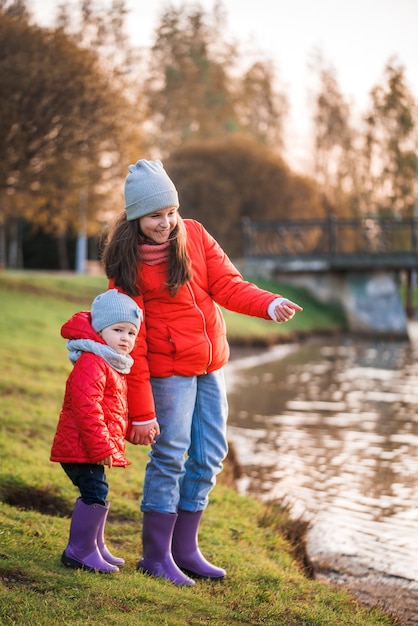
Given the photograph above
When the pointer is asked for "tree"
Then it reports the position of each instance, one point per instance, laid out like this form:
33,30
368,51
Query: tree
187,86
197,88
261,109
221,182
390,144
99,26
335,159
62,127
371,168
14,8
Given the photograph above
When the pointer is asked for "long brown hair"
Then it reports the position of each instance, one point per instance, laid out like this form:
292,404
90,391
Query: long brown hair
121,256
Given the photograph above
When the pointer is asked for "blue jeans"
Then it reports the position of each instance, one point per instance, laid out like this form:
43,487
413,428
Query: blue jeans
90,479
188,454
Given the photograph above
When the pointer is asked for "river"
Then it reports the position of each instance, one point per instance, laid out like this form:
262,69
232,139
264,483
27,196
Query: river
330,427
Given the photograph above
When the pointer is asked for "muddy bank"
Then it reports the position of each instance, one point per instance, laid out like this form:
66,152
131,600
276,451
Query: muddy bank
396,597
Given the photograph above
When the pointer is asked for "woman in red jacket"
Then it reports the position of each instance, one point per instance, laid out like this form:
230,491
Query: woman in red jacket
178,275
94,418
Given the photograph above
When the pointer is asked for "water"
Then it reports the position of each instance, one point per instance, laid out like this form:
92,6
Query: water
332,430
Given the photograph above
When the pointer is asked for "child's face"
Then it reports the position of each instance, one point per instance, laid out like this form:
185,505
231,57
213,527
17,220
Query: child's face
158,225
121,336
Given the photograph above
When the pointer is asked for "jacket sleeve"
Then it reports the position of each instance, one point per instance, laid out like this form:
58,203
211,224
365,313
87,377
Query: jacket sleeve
140,399
227,286
88,384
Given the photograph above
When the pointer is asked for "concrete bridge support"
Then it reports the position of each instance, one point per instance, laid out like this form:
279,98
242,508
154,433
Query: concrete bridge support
370,299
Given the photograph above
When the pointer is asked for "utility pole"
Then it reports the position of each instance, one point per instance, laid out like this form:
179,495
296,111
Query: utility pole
81,246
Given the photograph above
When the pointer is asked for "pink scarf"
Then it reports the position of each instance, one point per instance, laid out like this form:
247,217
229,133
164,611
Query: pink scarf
154,254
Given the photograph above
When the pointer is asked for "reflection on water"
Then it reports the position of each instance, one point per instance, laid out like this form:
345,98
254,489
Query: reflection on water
333,430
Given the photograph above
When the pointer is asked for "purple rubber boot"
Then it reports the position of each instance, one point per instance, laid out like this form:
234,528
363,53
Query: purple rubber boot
186,551
108,556
82,550
157,532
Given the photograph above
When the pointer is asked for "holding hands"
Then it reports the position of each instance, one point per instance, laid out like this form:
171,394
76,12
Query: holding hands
143,434
107,461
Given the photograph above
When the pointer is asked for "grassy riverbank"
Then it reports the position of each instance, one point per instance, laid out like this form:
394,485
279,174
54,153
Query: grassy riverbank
242,330
265,583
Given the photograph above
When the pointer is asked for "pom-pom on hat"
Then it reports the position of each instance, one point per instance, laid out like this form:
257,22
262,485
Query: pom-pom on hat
113,307
148,188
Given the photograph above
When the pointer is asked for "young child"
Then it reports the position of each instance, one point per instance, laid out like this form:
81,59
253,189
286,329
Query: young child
179,275
94,419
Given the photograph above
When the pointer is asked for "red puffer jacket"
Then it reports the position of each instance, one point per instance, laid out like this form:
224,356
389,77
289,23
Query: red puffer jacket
186,334
94,416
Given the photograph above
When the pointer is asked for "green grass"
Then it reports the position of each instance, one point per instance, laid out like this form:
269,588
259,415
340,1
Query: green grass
403,293
316,317
265,584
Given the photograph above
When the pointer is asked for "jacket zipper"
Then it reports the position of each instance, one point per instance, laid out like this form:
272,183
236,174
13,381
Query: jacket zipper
204,326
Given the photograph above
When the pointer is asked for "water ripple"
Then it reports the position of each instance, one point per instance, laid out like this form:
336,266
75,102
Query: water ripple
333,431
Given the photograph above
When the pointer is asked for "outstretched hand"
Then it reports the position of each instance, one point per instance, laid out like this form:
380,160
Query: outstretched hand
285,310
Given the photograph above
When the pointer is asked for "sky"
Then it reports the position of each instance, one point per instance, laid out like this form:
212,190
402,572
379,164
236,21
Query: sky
355,37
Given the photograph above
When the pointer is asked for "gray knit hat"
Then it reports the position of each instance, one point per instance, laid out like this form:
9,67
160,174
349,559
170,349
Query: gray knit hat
148,188
113,307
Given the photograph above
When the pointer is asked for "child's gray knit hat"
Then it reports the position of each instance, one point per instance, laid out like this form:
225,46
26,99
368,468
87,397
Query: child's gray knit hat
113,307
148,188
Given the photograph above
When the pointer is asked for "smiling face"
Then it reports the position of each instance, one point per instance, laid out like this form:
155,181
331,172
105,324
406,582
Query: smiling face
121,336
158,225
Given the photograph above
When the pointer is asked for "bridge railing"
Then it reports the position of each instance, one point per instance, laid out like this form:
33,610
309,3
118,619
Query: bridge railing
337,241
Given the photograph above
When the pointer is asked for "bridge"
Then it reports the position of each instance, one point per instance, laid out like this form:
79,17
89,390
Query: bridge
357,263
